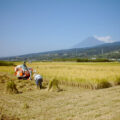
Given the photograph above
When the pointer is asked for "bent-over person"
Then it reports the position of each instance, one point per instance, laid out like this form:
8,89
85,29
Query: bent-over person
38,80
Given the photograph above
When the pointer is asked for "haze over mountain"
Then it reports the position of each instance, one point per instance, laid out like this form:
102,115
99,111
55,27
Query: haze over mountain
107,50
93,41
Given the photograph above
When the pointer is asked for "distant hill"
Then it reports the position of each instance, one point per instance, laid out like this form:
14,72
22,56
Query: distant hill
89,42
107,50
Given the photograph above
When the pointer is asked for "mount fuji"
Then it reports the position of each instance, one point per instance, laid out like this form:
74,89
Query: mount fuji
89,42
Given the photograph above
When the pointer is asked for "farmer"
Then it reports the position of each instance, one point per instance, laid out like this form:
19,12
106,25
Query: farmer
24,66
38,80
26,69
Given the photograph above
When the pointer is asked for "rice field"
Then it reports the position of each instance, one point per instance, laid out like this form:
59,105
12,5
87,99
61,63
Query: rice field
72,103
87,75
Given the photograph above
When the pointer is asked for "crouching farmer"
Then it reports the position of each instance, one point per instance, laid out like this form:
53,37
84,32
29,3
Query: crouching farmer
38,80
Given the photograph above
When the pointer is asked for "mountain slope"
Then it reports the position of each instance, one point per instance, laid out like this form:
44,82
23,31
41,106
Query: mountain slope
89,42
107,50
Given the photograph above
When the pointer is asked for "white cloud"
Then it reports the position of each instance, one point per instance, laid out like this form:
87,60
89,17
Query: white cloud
106,39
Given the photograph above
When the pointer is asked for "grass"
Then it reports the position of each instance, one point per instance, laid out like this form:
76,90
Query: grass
26,106
87,75
3,116
53,85
11,87
73,103
6,63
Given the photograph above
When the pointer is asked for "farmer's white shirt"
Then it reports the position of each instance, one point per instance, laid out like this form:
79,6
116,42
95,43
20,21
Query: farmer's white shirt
37,76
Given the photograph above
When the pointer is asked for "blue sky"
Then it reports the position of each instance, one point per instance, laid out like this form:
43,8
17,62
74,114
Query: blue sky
30,26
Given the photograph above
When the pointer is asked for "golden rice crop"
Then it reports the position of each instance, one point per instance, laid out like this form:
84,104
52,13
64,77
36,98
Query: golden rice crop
88,75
